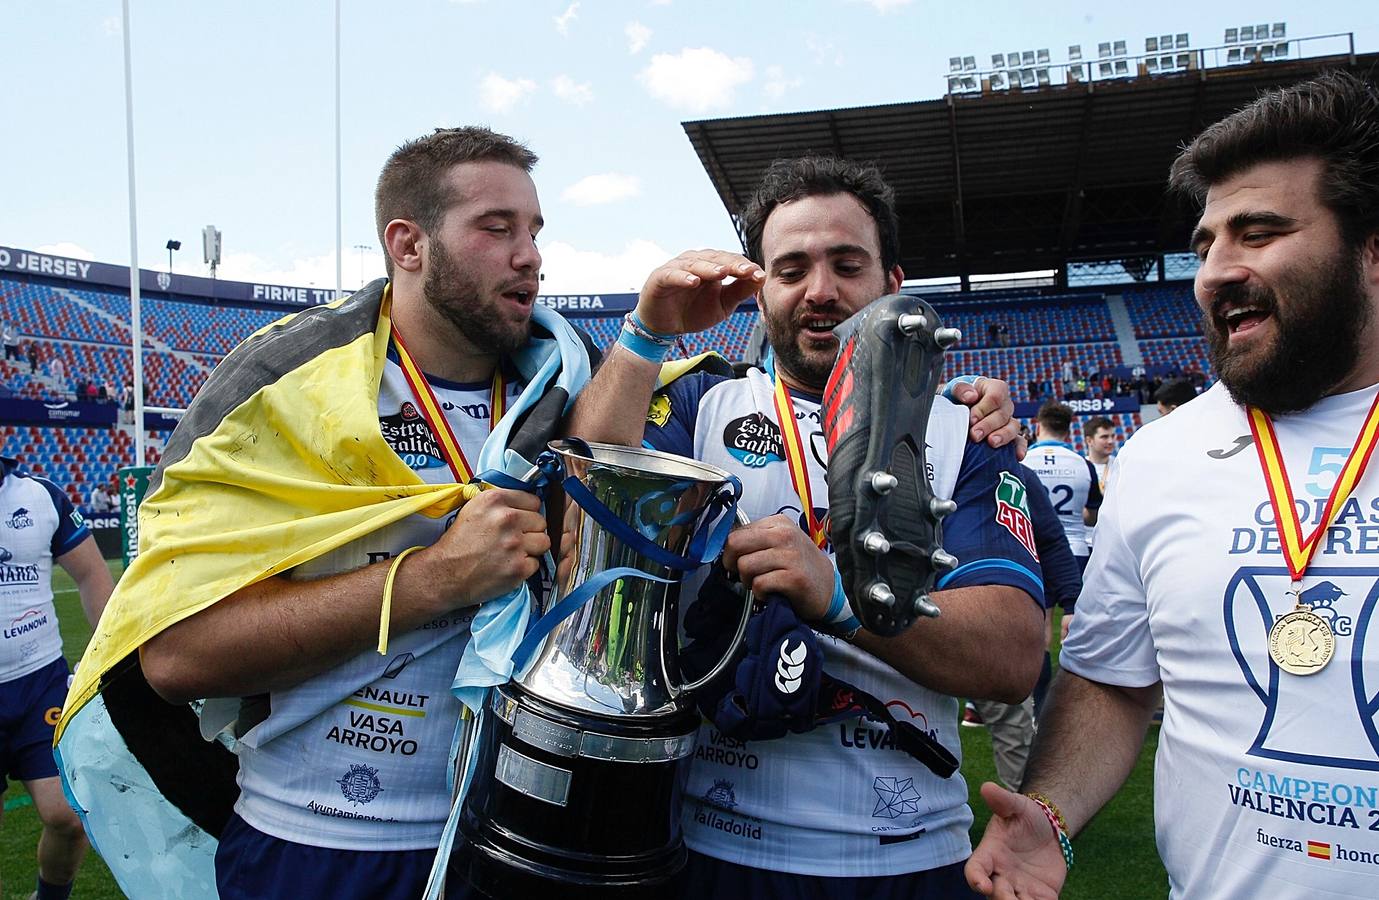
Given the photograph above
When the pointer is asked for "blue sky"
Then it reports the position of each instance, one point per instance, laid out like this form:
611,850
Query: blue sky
234,109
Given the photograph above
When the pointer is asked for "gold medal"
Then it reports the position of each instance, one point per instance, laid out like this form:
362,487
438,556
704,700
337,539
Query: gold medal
1301,642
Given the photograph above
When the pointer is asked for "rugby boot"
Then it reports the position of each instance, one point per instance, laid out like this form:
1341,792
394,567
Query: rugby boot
884,520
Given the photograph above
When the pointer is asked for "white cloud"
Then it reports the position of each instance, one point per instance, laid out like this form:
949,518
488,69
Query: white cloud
697,79
607,187
113,26
637,36
885,6
67,249
567,89
822,52
569,270
562,21
777,84
500,94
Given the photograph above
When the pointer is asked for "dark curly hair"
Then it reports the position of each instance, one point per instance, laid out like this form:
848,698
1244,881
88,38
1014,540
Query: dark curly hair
809,176
1333,117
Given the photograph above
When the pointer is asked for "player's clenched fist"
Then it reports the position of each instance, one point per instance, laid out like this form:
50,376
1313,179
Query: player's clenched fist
494,545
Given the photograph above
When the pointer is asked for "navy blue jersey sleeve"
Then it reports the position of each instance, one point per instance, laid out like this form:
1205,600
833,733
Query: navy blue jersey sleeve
1094,492
991,533
674,411
1062,575
71,527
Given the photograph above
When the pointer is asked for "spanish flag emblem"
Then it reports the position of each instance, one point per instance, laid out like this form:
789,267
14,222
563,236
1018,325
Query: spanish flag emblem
1318,850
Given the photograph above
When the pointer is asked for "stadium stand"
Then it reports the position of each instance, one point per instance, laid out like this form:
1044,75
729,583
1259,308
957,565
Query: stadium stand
89,329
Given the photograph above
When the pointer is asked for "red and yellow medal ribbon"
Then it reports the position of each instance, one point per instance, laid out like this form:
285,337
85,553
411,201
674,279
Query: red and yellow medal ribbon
1297,549
435,416
795,460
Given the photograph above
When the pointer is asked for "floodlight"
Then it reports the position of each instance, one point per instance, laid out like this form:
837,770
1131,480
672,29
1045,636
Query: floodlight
998,81
1151,65
1266,53
998,60
1233,56
1122,68
954,84
955,63
1105,70
1119,48
1012,60
1151,45
1262,32
1074,52
1042,75
1103,50
1247,33
1077,74
969,63
1232,35
1185,60
1028,79
1042,56
1251,54
1181,41
1027,58
1280,30
1165,42
1281,50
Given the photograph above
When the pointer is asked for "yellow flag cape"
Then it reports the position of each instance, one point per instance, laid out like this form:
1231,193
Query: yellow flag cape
297,468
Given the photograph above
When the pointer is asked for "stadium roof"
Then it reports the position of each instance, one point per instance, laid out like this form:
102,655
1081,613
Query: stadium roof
1019,180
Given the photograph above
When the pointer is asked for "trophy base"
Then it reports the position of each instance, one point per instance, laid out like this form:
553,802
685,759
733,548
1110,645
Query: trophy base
545,818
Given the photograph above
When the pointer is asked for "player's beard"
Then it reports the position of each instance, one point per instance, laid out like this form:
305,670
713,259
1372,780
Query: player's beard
810,368
455,292
1317,337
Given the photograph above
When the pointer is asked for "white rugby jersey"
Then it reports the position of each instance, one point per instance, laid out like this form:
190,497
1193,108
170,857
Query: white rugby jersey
1266,784
840,800
37,524
1072,484
356,757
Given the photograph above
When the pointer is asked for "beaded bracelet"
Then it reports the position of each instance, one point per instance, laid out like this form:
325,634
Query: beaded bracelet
631,320
1060,825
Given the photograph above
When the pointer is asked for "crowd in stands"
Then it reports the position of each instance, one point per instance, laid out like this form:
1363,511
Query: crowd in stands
74,345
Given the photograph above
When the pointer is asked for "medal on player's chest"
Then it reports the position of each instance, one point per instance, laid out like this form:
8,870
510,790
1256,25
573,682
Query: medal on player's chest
1302,642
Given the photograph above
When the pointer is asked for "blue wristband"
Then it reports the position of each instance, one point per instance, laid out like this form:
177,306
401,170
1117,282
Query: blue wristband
639,325
839,620
644,347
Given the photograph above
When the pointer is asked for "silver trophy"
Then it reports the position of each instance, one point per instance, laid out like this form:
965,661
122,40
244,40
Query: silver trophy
582,761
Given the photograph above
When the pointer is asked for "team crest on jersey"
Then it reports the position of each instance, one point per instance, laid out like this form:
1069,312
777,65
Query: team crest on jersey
754,440
895,797
721,795
20,518
360,784
658,413
1012,511
411,438
1328,718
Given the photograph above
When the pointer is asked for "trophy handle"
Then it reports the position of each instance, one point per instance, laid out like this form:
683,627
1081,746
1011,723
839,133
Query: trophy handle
674,689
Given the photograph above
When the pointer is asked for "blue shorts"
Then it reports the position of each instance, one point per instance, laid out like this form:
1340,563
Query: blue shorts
29,709
251,865
709,877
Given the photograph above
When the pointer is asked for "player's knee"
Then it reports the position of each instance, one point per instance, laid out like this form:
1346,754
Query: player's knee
62,822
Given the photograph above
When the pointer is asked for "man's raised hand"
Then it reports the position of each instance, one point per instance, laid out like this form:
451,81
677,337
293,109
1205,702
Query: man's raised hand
697,290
